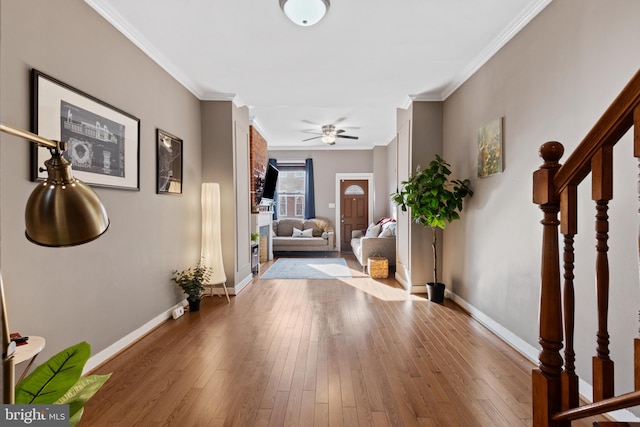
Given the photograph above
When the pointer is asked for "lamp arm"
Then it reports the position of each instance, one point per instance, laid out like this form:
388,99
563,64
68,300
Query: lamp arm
41,141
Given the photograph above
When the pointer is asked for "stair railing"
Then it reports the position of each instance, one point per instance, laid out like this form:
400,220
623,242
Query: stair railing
554,382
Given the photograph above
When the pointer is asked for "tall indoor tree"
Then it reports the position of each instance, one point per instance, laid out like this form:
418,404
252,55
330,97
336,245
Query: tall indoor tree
433,200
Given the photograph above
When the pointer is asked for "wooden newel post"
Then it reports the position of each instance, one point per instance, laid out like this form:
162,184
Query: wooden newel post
546,379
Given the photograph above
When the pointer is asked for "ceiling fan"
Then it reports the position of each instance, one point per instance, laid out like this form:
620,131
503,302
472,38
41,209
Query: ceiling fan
329,135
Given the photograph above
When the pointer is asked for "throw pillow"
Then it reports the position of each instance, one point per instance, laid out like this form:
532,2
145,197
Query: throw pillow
386,233
302,233
391,226
373,230
311,224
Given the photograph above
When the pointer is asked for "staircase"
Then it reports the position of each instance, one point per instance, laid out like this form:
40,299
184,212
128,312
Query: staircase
555,189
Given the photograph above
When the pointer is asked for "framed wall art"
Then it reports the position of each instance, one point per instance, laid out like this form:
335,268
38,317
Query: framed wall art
169,163
490,148
103,141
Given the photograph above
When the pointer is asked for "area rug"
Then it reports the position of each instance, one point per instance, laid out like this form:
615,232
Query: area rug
308,268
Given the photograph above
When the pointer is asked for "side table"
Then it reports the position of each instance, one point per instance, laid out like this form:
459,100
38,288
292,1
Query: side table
28,351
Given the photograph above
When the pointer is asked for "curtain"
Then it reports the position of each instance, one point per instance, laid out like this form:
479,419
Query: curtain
211,236
274,163
309,196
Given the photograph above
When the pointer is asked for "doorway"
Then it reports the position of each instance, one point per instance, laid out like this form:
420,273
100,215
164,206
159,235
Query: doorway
354,206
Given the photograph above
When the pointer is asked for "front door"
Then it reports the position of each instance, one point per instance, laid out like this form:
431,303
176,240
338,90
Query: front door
354,208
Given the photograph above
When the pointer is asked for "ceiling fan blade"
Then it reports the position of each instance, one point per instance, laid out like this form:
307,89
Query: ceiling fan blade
347,136
312,131
340,131
309,139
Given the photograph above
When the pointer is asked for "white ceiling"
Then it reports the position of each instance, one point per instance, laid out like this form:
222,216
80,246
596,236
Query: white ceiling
354,68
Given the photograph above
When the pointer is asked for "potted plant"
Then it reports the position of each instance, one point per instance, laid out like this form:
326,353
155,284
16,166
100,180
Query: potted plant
192,282
59,381
434,201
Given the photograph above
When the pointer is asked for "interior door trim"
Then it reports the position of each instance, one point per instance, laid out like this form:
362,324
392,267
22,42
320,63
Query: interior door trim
342,176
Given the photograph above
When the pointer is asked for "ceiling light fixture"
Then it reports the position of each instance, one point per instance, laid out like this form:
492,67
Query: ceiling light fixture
304,12
329,134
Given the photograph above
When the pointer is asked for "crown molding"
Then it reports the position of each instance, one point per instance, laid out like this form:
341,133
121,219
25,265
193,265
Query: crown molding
221,96
122,25
258,127
428,97
498,43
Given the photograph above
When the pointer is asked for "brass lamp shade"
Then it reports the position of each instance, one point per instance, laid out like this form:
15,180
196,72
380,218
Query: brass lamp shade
63,211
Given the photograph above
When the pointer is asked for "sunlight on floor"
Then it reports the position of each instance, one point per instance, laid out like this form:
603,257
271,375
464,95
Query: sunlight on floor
336,269
382,291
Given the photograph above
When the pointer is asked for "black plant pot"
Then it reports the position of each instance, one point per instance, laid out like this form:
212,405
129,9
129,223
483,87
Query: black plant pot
194,305
436,292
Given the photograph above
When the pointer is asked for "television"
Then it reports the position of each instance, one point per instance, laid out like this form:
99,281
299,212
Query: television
270,184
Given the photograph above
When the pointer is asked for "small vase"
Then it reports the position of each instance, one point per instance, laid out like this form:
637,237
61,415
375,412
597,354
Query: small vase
194,305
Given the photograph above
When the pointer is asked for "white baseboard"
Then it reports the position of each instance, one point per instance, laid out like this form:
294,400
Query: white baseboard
530,352
408,286
240,286
124,342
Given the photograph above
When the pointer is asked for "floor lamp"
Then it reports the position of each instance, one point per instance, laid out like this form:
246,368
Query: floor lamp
61,211
211,236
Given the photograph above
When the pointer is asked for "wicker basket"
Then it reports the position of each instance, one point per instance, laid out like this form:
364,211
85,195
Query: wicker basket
378,267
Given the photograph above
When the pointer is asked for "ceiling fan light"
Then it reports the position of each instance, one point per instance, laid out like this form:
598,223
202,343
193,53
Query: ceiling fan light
304,12
328,139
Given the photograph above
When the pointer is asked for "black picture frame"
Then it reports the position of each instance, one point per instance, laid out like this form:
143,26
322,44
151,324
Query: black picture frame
168,163
103,141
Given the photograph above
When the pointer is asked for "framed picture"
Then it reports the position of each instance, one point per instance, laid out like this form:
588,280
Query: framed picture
490,148
169,157
103,141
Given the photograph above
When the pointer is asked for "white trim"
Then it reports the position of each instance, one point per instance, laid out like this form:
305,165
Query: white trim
498,43
370,196
129,339
241,285
111,15
530,352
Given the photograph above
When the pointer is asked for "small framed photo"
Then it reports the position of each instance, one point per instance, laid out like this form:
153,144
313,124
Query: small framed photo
169,158
103,141
490,148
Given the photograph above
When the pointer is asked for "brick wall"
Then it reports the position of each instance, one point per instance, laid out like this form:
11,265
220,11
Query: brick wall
258,158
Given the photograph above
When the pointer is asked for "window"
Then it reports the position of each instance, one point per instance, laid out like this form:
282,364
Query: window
291,192
354,189
299,213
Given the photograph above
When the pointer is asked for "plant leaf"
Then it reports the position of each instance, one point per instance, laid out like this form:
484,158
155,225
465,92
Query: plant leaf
75,419
49,381
81,392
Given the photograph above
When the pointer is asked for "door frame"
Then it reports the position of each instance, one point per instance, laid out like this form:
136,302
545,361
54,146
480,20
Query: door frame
370,191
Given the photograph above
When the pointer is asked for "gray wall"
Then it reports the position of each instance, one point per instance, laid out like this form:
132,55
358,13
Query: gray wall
426,142
225,160
103,290
326,164
551,82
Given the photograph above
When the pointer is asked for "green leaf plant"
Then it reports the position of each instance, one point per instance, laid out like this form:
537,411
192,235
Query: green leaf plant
192,280
59,381
432,199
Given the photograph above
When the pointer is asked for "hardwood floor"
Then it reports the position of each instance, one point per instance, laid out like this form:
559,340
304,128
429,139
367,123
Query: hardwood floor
352,352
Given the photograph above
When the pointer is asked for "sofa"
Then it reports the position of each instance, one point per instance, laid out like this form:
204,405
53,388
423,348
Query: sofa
308,235
378,240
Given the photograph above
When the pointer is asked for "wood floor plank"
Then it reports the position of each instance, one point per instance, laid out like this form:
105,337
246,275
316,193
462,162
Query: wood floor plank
347,352
307,408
